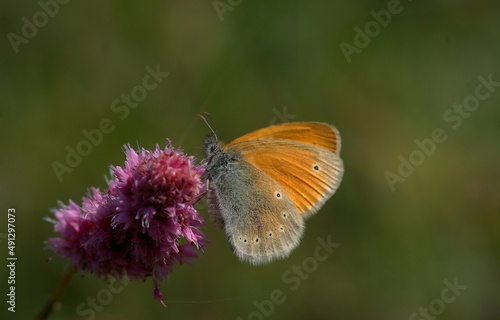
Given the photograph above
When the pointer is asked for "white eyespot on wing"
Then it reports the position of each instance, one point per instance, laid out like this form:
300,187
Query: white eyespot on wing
273,241
264,208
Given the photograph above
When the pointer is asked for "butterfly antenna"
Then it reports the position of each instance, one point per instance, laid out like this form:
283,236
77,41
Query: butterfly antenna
203,116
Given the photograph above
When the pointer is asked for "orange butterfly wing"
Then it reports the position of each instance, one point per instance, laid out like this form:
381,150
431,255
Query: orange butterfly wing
302,157
318,134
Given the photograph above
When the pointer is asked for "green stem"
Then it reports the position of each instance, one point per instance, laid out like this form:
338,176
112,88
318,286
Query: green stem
49,305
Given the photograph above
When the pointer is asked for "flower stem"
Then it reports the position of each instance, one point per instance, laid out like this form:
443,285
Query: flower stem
50,304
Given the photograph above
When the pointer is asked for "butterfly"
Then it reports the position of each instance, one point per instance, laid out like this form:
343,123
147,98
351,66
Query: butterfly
263,185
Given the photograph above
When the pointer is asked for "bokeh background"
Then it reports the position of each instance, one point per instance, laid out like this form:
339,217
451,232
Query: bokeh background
259,63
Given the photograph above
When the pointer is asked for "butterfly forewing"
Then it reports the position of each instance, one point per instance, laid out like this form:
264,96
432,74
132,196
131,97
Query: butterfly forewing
263,184
322,135
309,175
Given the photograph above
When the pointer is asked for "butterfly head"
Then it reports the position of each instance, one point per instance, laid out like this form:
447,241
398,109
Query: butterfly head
216,159
211,145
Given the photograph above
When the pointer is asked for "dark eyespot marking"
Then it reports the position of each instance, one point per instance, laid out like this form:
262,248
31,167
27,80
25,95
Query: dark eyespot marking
270,234
256,239
316,167
282,229
278,195
284,215
245,240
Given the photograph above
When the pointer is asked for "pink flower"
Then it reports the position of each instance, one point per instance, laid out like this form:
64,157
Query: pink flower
142,225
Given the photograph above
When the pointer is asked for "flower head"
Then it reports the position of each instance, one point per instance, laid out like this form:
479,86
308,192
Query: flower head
142,225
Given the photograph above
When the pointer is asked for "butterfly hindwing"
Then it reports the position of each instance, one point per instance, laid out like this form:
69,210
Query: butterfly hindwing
262,185
259,219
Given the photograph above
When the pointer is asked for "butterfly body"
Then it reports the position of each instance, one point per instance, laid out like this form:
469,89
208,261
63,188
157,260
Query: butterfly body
263,185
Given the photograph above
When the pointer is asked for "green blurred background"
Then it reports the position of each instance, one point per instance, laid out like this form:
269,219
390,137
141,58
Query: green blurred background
263,63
